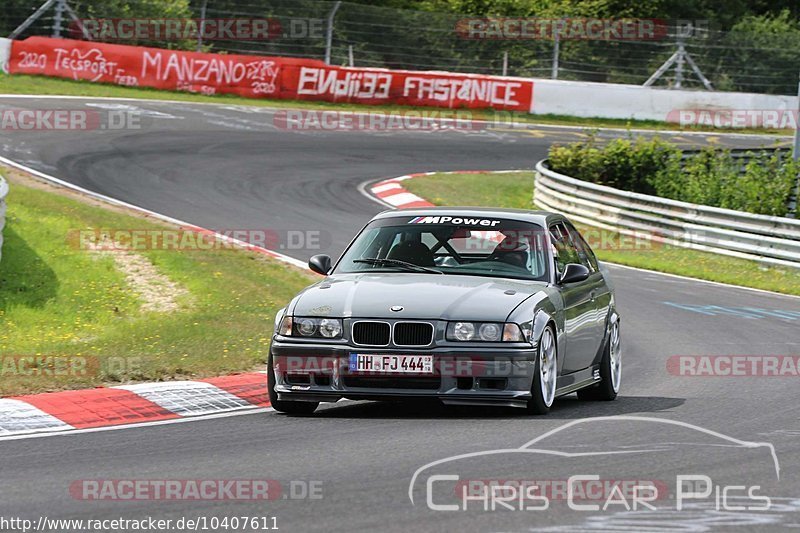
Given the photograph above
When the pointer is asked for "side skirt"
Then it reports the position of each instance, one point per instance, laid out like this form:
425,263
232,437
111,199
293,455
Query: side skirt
577,380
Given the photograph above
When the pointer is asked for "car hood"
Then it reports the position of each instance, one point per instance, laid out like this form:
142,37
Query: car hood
422,296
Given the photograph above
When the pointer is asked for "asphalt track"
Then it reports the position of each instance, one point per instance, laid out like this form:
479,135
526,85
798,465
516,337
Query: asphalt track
231,167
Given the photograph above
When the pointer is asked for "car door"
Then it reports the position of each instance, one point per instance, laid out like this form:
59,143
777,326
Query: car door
599,290
580,308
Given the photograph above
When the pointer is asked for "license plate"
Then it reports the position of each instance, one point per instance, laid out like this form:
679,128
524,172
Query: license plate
391,364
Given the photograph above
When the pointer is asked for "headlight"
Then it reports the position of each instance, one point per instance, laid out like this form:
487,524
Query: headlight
489,332
329,328
484,332
463,331
306,326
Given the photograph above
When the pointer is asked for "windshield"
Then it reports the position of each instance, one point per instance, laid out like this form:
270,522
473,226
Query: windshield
474,246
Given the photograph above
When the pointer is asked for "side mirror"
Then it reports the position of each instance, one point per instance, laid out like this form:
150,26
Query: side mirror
574,273
321,264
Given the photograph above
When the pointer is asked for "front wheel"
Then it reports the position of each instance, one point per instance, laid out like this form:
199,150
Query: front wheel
543,391
285,406
610,370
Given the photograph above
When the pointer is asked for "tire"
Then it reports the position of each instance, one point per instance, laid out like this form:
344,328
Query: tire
545,374
610,370
286,406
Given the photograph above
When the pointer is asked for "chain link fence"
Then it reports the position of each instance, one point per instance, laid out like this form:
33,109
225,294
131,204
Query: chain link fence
745,60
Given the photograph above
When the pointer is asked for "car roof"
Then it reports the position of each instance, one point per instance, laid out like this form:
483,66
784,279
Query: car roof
542,218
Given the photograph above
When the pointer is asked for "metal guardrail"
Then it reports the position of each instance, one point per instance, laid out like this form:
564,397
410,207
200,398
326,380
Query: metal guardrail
742,155
768,239
3,193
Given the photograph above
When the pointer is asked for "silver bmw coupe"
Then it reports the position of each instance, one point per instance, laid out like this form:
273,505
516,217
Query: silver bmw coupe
466,306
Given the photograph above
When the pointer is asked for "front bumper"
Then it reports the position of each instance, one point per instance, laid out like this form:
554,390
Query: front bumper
462,376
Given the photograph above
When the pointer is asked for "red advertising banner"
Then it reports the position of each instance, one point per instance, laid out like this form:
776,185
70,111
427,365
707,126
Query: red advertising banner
264,77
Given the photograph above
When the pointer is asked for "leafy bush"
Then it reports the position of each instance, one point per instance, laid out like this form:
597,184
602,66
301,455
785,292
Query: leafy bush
710,177
765,186
622,163
582,160
701,180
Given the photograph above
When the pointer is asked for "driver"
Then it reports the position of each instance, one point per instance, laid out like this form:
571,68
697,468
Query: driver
512,251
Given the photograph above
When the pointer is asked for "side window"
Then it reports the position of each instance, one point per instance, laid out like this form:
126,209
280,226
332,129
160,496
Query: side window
588,258
564,251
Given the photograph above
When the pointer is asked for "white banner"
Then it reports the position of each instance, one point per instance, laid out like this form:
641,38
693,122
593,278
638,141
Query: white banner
5,53
605,100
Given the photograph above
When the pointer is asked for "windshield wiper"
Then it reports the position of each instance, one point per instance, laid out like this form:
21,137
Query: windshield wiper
396,262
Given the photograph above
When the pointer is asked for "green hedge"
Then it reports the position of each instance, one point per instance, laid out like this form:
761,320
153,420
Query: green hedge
712,177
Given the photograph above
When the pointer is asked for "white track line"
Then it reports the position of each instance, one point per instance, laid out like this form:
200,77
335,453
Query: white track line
517,125
244,411
719,283
159,216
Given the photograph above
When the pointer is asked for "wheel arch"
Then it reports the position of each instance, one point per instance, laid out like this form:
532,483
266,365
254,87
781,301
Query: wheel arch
541,320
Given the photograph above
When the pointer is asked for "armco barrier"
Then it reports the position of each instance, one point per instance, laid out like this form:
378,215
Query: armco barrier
264,77
772,240
3,193
742,156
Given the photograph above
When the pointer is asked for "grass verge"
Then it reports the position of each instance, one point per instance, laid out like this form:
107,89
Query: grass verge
84,321
514,190
27,84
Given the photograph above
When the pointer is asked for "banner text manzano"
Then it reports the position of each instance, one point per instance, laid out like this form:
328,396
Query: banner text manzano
264,77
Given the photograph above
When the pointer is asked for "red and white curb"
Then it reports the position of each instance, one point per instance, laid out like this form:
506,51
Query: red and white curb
391,192
131,404
143,403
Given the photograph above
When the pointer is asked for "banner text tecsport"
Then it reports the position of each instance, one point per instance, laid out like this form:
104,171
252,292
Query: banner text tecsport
264,77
